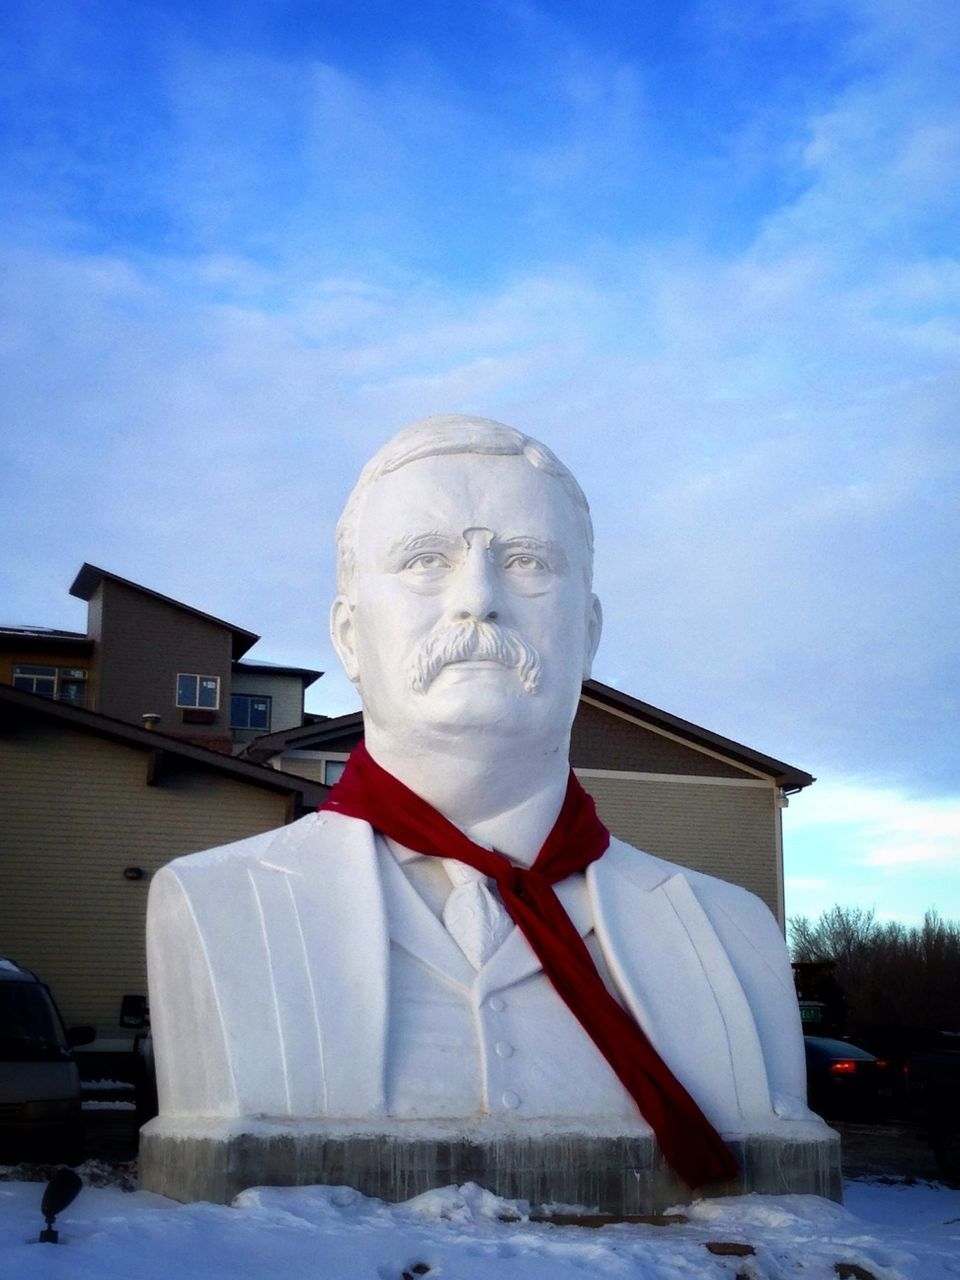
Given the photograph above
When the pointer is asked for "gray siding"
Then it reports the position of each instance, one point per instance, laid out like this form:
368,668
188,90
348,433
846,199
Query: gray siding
144,644
726,831
285,693
603,740
76,811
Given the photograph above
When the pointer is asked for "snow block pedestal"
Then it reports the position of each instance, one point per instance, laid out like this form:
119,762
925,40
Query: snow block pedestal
215,1160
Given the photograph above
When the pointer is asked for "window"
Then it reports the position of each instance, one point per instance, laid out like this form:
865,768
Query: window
68,684
42,680
333,771
249,711
198,691
73,686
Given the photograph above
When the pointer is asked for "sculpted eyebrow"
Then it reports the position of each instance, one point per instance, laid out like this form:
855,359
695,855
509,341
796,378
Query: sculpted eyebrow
551,551
415,541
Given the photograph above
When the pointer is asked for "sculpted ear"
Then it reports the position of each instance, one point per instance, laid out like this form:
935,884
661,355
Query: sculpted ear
343,635
594,629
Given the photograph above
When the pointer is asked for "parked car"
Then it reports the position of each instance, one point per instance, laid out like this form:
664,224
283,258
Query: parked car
845,1081
40,1115
933,1093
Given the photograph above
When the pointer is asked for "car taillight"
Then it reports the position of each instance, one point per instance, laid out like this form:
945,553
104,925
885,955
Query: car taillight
882,1064
843,1068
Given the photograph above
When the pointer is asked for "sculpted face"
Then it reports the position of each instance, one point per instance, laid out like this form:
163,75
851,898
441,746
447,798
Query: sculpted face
470,610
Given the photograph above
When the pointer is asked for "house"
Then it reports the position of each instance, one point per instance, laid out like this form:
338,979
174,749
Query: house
117,753
660,783
92,806
154,733
148,659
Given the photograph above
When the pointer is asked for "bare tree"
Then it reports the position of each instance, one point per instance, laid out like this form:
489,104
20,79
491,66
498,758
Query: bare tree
893,975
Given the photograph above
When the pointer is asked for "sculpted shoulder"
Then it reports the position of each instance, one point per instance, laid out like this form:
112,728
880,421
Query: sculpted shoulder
313,836
647,871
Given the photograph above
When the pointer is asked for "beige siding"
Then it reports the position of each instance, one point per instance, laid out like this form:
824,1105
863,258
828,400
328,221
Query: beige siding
725,830
303,764
76,810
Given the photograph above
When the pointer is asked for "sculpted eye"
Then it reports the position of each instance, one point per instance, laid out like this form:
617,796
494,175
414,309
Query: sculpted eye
524,562
427,562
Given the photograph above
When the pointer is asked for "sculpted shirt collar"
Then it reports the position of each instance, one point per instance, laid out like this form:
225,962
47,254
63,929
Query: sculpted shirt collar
572,891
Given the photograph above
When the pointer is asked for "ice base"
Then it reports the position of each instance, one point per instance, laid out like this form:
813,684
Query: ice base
191,1159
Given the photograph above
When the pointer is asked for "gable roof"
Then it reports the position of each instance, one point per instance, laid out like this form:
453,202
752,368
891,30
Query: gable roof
304,737
15,703
90,577
787,776
307,674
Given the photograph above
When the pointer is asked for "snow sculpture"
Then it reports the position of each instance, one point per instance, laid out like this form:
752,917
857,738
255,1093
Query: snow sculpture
325,987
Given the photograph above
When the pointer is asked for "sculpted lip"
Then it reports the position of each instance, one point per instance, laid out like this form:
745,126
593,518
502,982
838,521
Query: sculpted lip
476,662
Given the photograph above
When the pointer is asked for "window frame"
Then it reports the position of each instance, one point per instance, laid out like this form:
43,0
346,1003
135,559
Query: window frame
74,678
34,671
196,705
249,698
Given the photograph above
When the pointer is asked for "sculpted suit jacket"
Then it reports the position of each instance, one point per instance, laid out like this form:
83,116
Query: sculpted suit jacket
269,980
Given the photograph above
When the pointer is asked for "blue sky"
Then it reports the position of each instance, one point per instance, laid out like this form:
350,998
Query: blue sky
708,251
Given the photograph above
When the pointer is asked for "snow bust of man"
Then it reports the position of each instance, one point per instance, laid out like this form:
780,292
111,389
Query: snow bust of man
454,939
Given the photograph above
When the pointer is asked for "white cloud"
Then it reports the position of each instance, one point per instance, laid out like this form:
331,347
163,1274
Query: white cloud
859,844
881,828
767,432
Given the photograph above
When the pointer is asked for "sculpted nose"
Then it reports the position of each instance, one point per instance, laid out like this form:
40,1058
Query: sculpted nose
475,592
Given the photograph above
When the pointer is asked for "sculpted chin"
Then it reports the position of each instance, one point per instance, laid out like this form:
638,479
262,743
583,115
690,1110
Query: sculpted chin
330,971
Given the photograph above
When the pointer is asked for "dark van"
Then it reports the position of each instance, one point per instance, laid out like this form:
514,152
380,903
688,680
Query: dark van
40,1116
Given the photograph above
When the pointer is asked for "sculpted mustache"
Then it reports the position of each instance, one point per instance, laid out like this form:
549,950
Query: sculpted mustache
478,642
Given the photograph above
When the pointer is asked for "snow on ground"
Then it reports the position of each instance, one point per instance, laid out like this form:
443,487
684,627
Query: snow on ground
893,1231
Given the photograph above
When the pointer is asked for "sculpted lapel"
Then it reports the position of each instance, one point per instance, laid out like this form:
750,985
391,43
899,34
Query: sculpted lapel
693,1009
337,941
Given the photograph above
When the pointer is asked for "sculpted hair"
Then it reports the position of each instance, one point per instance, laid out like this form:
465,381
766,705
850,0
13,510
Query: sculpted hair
450,434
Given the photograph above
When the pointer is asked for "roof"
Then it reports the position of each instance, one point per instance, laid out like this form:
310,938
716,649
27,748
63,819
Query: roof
307,674
44,638
49,633
89,578
270,744
785,775
15,702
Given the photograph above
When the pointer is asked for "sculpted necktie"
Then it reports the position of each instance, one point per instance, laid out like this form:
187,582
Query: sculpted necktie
689,1142
474,918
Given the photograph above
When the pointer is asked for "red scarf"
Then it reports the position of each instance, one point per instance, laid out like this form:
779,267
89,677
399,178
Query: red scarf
689,1142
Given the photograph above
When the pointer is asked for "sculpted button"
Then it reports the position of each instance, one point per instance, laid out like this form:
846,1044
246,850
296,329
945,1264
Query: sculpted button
497,1004
502,1049
511,1100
